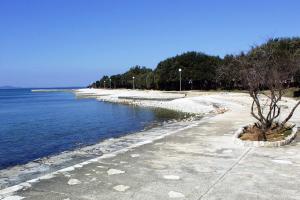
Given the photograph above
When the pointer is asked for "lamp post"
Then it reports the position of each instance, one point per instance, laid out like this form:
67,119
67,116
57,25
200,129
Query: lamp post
133,82
110,83
179,79
104,85
191,83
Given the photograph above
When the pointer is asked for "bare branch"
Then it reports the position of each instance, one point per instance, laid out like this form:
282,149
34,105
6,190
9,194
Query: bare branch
291,114
252,112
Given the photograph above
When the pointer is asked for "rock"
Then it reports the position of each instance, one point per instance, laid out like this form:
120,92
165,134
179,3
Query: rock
73,181
227,151
285,162
171,177
135,155
173,194
121,188
94,179
115,171
14,198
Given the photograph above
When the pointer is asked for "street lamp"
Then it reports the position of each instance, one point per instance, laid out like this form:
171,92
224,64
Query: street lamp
191,83
179,79
104,84
133,82
110,83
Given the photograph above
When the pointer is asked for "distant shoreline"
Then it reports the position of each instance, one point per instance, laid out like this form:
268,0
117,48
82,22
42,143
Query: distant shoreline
39,88
9,87
52,90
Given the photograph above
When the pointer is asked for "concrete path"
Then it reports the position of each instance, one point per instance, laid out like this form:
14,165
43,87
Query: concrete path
201,162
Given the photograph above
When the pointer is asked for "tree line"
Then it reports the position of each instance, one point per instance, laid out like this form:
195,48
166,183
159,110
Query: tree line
201,71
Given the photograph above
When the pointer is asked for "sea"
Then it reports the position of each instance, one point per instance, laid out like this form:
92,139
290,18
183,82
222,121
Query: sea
34,125
45,130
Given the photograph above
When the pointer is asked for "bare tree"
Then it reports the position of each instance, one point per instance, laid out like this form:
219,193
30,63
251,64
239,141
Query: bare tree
267,71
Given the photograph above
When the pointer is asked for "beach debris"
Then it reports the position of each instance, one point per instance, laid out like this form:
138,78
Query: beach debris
171,177
173,194
221,110
74,181
121,188
285,162
115,171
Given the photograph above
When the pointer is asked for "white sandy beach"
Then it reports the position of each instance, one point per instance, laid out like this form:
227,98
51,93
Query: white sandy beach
187,101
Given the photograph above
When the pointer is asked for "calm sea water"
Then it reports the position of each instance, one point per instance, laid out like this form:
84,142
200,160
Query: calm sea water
39,124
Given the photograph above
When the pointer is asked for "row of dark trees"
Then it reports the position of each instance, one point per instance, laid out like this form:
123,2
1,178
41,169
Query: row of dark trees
143,79
201,71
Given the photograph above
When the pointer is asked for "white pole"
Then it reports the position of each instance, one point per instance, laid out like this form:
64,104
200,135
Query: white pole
133,82
179,79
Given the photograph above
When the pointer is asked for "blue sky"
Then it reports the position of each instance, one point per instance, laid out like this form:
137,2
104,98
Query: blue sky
50,43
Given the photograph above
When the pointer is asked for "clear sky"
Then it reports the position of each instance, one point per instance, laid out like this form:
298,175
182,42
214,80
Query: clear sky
50,43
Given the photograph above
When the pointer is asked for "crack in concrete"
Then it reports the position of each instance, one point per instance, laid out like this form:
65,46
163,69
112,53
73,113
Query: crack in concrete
220,178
